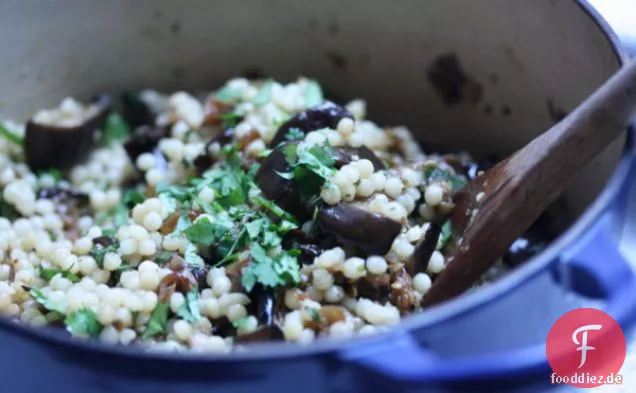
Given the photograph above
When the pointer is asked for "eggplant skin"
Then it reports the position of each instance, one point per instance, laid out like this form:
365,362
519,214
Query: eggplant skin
371,232
325,115
47,147
280,190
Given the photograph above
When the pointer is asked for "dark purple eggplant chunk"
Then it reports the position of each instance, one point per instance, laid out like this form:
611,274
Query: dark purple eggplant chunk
278,189
325,115
49,146
343,156
104,241
418,263
204,161
144,139
136,112
263,305
66,194
263,334
374,287
371,232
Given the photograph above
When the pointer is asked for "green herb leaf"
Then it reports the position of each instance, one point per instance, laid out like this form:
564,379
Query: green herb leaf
132,198
157,322
98,252
240,323
115,129
294,134
47,274
169,201
201,232
179,193
269,271
230,119
120,215
264,93
83,322
313,94
255,227
438,174
164,257
189,311
44,301
228,95
447,231
10,136
192,258
54,173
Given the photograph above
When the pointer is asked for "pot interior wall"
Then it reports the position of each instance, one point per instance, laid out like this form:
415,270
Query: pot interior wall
529,61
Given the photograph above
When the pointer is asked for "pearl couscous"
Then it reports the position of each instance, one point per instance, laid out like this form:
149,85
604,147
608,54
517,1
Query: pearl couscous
256,212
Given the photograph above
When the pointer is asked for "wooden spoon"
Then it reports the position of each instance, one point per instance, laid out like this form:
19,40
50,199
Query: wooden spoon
497,207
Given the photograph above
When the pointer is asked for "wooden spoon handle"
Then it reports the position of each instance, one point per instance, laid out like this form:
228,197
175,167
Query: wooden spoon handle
520,188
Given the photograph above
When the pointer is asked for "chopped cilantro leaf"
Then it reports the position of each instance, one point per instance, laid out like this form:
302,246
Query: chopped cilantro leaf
201,232
47,274
294,134
120,216
315,314
313,94
264,93
192,258
177,192
169,201
115,129
447,231
189,311
83,323
10,136
240,323
264,153
98,252
164,257
157,323
438,174
230,119
255,227
55,173
228,95
132,198
269,271
44,301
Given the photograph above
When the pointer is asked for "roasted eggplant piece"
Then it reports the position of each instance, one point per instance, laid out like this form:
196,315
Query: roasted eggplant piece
374,287
343,156
265,333
424,249
137,112
370,232
53,140
278,189
263,304
325,115
144,139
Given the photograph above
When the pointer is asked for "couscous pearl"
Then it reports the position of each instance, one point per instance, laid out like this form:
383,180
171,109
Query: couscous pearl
249,325
403,248
365,188
127,247
354,268
376,264
124,316
379,180
109,335
210,308
236,312
206,195
422,282
291,298
307,336
393,187
334,294
87,264
345,126
147,247
426,212
154,176
221,285
414,234
330,194
145,161
367,330
322,279
341,329
365,168
112,261
352,173
130,279
433,195
348,192
183,330
330,258
176,301
314,293
340,179
436,263
292,326
152,221
82,246
127,336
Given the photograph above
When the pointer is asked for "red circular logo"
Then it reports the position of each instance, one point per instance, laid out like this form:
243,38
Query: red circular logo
586,348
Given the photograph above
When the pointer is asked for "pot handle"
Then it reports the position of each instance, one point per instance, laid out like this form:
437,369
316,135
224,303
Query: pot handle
600,269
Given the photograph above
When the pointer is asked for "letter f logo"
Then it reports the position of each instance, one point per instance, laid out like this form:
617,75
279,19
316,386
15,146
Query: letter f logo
584,347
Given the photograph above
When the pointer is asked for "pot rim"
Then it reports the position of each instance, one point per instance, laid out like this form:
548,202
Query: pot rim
436,314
